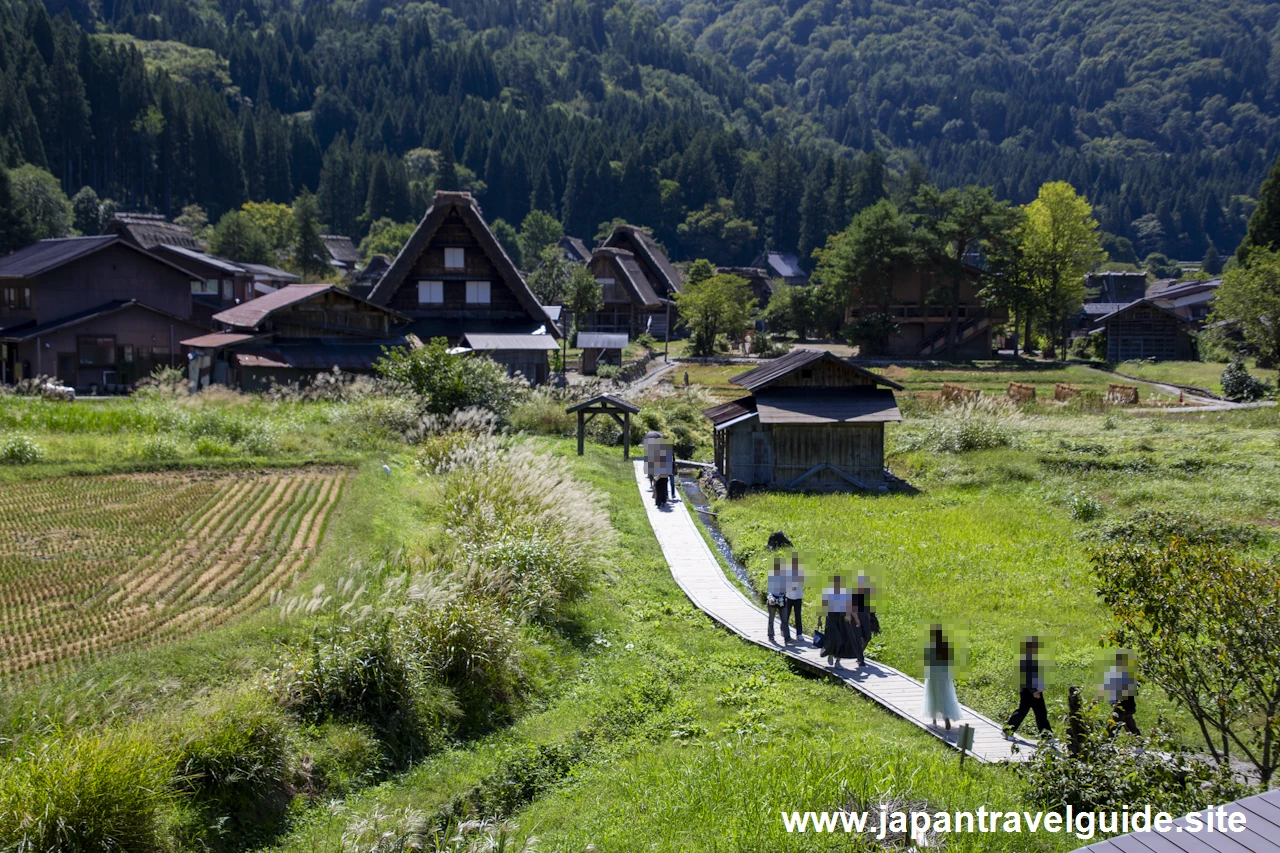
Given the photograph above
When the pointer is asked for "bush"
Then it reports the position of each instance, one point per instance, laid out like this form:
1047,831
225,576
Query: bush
20,450
359,675
233,758
646,340
1159,527
450,382
344,757
1238,385
85,792
961,436
529,574
467,646
1108,774
158,447
1089,347
543,413
1084,506
608,371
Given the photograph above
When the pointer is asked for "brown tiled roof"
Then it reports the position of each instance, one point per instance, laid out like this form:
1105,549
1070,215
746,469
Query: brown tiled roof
832,406
151,229
466,207
794,360
217,339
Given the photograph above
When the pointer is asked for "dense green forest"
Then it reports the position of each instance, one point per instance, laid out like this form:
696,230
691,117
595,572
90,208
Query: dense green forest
724,126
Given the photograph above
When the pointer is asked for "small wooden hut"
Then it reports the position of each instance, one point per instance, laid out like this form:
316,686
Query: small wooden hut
600,348
813,421
1145,329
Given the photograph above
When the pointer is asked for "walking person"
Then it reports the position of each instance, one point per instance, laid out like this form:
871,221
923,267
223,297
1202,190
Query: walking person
939,690
661,464
1030,691
841,639
775,596
1122,690
868,624
794,601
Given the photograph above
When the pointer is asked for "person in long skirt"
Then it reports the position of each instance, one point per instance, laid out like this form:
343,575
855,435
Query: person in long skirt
842,637
867,624
939,690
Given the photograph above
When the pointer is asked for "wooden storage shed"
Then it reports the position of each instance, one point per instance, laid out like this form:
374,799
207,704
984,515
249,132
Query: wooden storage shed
1144,329
600,348
813,422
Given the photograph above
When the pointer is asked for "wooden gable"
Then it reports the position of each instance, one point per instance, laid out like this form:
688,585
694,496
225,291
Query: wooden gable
824,373
331,314
453,222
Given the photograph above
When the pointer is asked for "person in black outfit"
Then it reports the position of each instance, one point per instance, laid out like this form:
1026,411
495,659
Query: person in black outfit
1031,690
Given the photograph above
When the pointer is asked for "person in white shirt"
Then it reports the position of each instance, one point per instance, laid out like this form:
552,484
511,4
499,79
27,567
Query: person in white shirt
1122,690
794,601
841,639
775,595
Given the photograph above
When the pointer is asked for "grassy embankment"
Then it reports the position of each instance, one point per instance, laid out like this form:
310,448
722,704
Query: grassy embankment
675,735
996,540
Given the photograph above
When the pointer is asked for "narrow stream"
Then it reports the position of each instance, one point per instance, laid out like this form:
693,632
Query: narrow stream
698,500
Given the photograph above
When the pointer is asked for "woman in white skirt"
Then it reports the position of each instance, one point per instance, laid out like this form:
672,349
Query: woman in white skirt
939,690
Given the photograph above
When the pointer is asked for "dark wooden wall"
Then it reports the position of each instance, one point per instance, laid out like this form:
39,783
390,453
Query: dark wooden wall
116,272
776,454
1145,331
332,314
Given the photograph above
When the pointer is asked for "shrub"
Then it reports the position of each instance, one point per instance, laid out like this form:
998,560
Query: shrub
646,340
262,439
233,757
451,382
543,413
1089,347
213,447
165,383
358,674
468,646
85,792
1159,527
1108,774
1084,506
20,450
1238,385
608,371
344,757
529,573
158,447
965,434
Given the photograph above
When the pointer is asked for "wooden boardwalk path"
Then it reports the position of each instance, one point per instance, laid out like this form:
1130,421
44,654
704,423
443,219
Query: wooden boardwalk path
698,572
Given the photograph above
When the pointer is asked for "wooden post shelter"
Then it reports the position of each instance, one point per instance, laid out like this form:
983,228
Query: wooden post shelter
605,404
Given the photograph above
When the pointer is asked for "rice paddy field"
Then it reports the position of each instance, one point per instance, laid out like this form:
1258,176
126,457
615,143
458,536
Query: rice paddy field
91,566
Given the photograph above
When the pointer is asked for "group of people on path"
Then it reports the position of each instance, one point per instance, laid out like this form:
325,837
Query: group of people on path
849,622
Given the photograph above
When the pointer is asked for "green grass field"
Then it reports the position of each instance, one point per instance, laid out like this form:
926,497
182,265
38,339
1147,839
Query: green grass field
989,543
696,740
1200,374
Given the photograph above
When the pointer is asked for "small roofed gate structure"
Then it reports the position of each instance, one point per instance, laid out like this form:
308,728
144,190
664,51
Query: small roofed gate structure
605,404
600,348
812,422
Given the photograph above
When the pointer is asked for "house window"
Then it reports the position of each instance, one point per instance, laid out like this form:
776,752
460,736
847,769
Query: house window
15,297
228,293
97,352
207,286
454,259
430,292
477,293
609,290
128,353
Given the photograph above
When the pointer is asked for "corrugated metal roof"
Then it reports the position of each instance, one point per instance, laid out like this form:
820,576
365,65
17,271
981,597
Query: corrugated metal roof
316,356
269,273
248,315
39,258
726,412
602,340
1261,832
1101,309
204,258
794,360
873,405
786,266
218,339
488,343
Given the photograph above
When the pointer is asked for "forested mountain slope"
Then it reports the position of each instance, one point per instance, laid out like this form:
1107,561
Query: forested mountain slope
706,121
